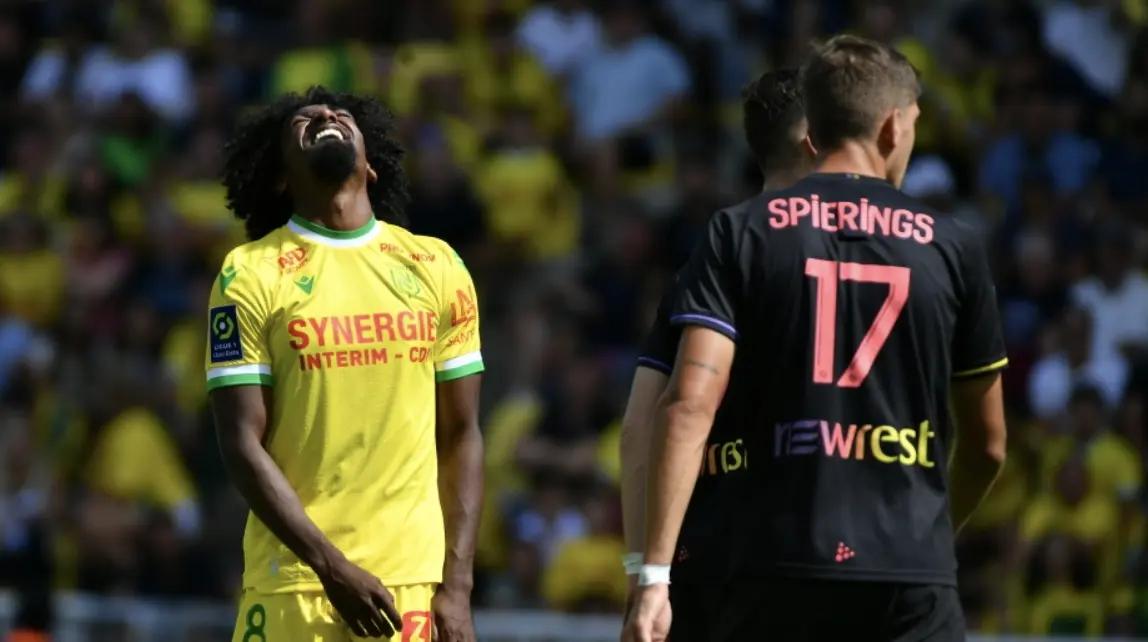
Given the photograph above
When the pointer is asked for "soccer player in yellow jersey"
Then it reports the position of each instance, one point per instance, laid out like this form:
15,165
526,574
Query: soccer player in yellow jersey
343,366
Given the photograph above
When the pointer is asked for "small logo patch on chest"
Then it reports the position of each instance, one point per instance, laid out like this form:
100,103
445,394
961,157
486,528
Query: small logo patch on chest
305,283
292,260
405,280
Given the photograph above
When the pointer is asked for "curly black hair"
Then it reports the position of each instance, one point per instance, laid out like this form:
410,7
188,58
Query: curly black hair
253,165
772,106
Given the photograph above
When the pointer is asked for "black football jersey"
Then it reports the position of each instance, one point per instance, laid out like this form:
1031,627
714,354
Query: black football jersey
852,307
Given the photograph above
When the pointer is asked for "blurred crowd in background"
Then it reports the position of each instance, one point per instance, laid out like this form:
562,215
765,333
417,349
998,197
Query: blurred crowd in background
572,152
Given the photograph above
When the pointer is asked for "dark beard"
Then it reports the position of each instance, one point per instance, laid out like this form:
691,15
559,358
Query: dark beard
332,162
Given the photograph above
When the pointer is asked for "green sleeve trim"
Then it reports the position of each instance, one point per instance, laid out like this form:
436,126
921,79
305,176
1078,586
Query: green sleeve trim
459,372
239,380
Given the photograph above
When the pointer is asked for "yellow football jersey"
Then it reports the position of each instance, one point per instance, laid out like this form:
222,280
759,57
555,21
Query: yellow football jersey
351,330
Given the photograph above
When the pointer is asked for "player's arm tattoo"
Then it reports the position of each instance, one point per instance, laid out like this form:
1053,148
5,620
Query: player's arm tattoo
698,364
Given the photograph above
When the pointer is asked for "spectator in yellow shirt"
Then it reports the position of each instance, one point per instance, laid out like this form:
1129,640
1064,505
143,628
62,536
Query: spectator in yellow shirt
1071,508
139,488
503,73
30,182
198,199
532,209
427,88
321,57
134,459
1112,461
1063,603
31,273
584,575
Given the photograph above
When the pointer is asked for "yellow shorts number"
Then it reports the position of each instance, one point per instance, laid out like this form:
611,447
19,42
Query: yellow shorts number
256,620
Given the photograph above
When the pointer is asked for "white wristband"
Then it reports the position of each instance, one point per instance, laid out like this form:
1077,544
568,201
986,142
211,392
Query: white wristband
651,574
632,562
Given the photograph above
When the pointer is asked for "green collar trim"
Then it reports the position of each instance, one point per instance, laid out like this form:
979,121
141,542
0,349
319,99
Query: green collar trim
341,235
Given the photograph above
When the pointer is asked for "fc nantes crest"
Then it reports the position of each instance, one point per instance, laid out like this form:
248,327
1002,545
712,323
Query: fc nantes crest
405,281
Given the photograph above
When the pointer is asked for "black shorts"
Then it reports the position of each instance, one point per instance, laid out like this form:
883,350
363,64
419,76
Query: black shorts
792,610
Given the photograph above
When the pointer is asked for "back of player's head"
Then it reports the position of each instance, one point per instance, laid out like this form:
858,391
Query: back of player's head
773,114
851,84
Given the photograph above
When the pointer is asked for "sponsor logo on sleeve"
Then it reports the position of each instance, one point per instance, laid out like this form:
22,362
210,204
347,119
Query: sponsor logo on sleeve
224,332
463,309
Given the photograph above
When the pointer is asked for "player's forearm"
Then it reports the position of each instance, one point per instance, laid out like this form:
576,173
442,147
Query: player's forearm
276,504
679,439
460,491
974,469
634,472
978,407
637,426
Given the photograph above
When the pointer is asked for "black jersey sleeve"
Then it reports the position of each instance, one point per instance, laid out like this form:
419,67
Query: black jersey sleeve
708,292
978,342
661,344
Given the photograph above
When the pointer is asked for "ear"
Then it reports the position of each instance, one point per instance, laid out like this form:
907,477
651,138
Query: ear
889,135
372,175
808,148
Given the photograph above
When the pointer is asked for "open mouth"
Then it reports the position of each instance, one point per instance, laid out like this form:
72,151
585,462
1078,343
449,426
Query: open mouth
326,132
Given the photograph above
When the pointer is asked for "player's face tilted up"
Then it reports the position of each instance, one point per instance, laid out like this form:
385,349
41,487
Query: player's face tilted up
323,146
275,167
830,321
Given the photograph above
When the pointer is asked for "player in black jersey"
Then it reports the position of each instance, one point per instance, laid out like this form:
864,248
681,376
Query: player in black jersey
844,317
775,128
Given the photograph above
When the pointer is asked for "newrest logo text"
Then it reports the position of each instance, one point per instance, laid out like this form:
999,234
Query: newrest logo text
885,444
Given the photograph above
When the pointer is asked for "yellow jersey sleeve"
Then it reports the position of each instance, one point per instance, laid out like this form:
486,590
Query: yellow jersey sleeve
457,350
237,351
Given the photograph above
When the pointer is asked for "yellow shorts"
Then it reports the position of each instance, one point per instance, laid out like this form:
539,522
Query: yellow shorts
309,617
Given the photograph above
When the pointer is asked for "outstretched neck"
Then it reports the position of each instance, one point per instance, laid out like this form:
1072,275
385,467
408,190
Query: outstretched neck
346,209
